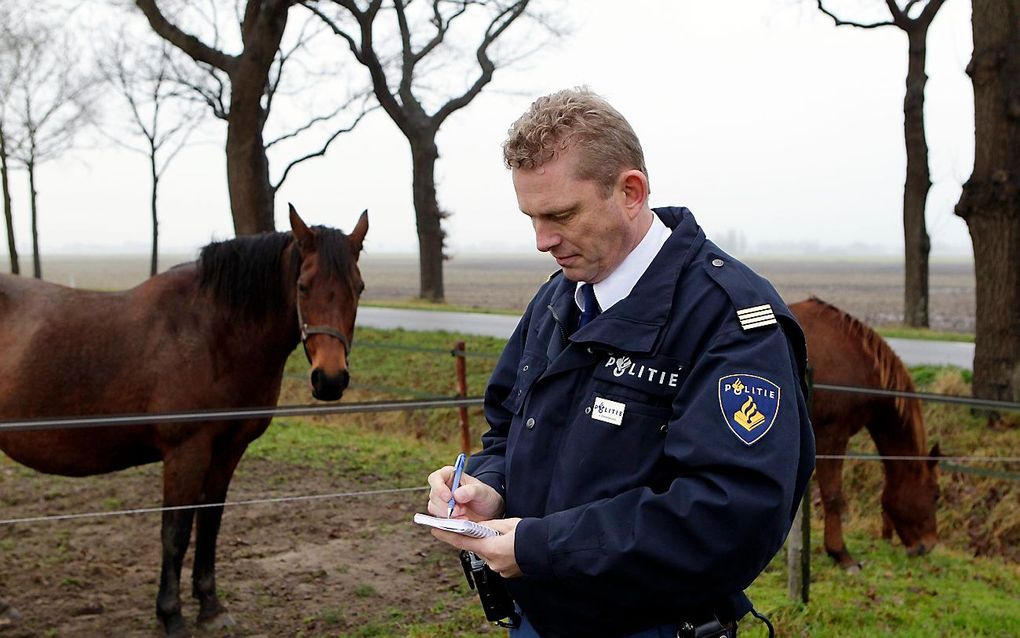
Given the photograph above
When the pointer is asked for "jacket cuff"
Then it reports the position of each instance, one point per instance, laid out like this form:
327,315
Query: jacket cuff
531,547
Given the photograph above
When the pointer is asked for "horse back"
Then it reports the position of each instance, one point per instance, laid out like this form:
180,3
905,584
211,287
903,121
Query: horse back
67,352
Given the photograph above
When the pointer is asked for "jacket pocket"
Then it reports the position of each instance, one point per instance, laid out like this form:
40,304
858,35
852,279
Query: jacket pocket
614,444
529,370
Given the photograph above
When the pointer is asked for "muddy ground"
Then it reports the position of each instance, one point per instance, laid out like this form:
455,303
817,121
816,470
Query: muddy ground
311,568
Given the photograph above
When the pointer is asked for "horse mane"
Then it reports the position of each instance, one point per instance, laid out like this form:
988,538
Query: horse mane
244,272
892,373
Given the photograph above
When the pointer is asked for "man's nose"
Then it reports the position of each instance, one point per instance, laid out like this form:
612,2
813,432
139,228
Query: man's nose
545,239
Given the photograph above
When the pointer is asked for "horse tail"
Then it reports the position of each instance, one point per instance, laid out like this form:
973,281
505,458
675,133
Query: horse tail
892,373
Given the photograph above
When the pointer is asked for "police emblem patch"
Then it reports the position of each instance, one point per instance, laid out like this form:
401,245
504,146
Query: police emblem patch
749,405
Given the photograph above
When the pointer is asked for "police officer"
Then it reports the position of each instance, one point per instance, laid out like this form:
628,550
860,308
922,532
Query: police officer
649,440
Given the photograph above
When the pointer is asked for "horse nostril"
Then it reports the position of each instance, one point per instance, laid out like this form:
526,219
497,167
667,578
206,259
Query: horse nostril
344,380
318,376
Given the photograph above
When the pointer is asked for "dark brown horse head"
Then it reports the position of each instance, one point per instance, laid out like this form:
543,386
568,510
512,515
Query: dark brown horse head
909,503
329,285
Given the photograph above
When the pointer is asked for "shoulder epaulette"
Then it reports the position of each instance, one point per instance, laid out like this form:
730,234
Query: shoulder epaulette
752,307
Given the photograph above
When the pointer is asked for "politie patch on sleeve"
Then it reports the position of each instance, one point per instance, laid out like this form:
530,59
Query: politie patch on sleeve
749,405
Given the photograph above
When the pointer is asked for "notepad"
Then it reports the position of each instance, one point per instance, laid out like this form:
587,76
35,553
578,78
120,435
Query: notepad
458,525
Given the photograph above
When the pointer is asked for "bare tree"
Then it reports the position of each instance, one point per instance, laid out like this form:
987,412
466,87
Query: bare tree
240,89
913,17
990,202
145,83
10,68
401,95
49,104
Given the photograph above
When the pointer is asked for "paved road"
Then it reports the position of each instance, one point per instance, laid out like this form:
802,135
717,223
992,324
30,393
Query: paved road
913,351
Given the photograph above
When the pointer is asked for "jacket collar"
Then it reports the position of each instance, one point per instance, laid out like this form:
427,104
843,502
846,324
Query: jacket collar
634,323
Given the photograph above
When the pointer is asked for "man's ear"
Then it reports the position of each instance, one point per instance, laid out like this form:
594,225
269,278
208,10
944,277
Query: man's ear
304,236
357,236
633,186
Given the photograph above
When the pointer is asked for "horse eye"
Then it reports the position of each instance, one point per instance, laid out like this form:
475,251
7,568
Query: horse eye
303,289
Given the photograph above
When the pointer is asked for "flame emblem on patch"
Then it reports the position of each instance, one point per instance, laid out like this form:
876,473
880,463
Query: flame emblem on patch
749,404
748,415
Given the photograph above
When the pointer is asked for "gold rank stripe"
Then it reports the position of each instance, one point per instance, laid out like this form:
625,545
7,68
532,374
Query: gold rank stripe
756,317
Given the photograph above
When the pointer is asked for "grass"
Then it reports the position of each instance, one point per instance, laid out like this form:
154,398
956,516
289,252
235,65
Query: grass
947,593
966,587
905,332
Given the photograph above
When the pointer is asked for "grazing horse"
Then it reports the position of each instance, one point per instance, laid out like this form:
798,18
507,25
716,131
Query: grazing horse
844,351
209,335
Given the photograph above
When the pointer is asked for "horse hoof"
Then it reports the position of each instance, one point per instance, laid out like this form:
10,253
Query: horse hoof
176,628
853,569
221,620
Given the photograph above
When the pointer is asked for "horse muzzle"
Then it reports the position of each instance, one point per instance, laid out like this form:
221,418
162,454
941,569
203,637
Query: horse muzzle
920,549
327,387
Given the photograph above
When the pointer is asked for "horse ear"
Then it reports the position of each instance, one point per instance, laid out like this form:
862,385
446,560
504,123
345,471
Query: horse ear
305,238
357,236
935,453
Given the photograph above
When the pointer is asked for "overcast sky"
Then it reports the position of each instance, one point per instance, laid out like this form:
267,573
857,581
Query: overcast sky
780,131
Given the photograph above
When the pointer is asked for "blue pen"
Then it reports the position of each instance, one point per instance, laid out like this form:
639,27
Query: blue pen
458,469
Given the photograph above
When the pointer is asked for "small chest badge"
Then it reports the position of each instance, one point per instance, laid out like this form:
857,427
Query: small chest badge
608,411
749,405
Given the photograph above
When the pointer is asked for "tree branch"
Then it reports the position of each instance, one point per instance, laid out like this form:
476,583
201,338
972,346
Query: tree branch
366,55
325,147
187,43
336,29
839,22
499,24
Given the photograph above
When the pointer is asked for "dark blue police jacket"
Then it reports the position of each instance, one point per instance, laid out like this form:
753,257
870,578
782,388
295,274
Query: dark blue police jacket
657,455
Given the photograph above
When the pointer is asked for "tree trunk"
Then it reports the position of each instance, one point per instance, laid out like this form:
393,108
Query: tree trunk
990,203
36,263
915,191
251,193
154,262
424,154
8,213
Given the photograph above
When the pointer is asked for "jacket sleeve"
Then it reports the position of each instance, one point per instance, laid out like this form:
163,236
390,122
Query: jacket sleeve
711,528
488,466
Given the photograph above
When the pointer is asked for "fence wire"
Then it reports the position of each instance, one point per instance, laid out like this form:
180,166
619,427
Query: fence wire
174,508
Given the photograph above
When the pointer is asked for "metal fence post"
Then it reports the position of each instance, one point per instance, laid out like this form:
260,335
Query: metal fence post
798,543
465,431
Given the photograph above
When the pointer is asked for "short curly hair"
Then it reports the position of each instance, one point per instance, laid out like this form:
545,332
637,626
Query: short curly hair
575,118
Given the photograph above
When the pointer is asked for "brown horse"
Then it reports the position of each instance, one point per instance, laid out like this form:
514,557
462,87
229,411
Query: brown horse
202,336
844,351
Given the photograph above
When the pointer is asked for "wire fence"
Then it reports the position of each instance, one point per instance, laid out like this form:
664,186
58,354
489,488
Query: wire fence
430,401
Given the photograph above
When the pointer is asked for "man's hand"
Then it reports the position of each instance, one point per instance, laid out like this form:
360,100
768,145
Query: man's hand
496,551
476,501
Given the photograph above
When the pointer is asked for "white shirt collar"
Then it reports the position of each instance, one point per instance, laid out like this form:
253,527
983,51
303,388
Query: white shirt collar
622,280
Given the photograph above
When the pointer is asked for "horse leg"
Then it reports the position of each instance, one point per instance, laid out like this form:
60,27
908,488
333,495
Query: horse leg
183,471
887,526
830,484
212,613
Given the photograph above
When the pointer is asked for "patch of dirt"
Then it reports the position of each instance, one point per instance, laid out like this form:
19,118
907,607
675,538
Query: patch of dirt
320,567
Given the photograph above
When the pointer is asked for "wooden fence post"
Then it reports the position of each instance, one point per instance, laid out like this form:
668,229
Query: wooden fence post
798,543
465,431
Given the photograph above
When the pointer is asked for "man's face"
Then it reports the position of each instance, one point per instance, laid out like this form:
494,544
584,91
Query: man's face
587,233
